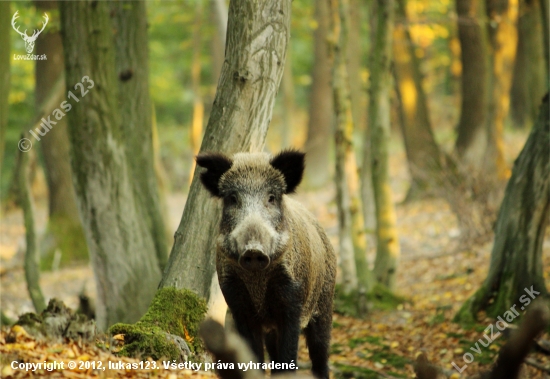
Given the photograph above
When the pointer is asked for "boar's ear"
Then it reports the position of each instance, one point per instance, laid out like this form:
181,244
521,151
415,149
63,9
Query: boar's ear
216,165
291,164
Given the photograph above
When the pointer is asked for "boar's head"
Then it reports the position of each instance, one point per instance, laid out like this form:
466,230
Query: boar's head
253,232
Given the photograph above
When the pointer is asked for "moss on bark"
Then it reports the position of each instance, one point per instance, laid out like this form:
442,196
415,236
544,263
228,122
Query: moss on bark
172,312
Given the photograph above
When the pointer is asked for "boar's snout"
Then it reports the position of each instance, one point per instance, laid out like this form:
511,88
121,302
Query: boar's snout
254,260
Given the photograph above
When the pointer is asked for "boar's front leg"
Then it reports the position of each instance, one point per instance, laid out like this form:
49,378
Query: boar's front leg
285,309
239,302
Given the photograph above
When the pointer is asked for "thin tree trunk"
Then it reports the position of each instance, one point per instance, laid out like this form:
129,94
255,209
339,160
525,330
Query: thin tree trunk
529,76
4,74
64,231
387,252
258,35
198,105
423,155
32,266
288,104
321,112
516,258
502,33
132,68
354,55
355,271
117,227
471,140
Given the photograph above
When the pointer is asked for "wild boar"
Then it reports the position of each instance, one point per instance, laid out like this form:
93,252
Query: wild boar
275,264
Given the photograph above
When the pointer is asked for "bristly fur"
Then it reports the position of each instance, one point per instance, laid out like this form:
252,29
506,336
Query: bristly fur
216,165
291,163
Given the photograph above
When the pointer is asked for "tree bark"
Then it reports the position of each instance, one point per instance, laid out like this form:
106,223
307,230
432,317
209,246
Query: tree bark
132,68
288,104
218,13
355,271
117,227
198,104
502,34
516,258
64,231
258,35
471,140
321,112
32,258
529,75
4,74
354,64
546,35
387,252
423,155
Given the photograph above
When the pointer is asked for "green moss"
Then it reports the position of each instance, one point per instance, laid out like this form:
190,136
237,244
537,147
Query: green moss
178,312
380,297
354,342
466,316
348,371
384,299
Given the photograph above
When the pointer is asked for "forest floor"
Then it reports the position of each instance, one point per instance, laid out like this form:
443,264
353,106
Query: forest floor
434,277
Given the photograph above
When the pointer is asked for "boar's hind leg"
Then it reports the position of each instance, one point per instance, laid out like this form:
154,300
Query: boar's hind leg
318,342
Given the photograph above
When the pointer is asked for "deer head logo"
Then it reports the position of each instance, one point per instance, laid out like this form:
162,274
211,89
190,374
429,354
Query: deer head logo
29,40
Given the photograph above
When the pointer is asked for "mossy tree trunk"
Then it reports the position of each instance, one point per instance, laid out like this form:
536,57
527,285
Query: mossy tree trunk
423,155
4,74
471,140
64,230
530,73
387,251
516,258
355,270
118,233
321,114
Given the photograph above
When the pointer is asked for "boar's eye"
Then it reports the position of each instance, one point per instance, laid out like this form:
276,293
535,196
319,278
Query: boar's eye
231,199
271,199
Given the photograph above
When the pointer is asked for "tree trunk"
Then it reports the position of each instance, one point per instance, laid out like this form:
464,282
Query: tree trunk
516,258
4,74
288,104
529,76
117,227
387,252
502,33
32,258
258,35
471,140
423,155
354,53
64,231
321,113
355,271
198,104
131,59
